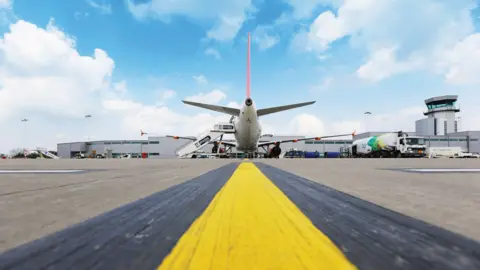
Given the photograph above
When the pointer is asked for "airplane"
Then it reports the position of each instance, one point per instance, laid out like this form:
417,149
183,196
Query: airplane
248,130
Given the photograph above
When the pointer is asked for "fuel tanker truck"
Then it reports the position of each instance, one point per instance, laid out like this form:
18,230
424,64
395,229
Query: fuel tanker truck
394,144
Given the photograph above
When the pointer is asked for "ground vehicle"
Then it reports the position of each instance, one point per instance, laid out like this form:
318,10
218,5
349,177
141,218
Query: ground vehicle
434,152
394,144
464,155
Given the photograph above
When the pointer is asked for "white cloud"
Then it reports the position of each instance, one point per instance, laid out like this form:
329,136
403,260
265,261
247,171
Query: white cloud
263,38
120,87
383,64
51,84
303,9
306,125
5,4
102,8
213,52
167,94
79,15
228,16
323,86
422,33
213,97
40,69
463,61
233,104
164,95
45,79
200,79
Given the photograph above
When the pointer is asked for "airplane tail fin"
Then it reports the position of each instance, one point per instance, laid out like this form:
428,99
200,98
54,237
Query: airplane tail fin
248,66
270,110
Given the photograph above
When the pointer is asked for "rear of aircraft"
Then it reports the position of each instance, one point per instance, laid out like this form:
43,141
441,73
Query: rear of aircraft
248,102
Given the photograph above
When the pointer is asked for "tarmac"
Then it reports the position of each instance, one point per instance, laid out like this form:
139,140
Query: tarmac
277,214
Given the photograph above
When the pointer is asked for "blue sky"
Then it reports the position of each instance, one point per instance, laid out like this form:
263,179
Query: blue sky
385,57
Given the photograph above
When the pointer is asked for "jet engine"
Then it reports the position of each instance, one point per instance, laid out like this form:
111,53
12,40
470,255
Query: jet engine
275,151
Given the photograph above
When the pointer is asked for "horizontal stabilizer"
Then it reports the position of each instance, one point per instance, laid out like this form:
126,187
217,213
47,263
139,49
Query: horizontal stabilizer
282,108
222,109
181,137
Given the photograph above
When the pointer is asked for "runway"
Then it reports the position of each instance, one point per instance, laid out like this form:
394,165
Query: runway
236,215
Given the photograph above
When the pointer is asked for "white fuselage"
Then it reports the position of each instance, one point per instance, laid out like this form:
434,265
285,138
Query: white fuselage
247,129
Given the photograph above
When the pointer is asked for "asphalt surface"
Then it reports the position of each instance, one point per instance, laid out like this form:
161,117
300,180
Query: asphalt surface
448,200
34,205
373,237
135,236
140,233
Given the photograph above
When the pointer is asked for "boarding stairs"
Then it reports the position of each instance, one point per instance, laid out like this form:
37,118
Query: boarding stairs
44,151
205,138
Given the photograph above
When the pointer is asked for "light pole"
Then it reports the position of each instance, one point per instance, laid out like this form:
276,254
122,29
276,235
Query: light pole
88,132
367,119
24,121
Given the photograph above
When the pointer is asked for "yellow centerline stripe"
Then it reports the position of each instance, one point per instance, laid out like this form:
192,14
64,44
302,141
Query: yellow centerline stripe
251,224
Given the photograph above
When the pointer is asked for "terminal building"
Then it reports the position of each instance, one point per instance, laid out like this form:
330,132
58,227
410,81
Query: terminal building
440,128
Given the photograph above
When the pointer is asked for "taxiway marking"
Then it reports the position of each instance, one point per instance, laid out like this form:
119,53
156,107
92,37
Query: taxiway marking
437,170
39,171
251,224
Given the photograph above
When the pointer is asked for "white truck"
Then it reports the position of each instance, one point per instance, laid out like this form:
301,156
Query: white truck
450,152
394,144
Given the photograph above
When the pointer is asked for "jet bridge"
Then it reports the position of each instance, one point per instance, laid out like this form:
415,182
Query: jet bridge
205,138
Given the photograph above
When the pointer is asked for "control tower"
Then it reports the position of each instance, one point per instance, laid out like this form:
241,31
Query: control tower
441,118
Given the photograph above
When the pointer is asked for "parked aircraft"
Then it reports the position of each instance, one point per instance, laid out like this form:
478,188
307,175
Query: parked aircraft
246,121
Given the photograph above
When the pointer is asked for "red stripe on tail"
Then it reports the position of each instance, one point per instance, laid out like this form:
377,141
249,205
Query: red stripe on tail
248,66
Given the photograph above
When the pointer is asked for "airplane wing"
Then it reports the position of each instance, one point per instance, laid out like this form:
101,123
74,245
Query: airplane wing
222,109
180,137
270,110
304,139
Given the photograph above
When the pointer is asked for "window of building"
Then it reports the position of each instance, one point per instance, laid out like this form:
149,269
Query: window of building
116,143
444,104
456,126
154,154
445,127
144,142
154,142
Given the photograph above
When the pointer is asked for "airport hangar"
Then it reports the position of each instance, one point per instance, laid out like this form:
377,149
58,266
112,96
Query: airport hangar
440,128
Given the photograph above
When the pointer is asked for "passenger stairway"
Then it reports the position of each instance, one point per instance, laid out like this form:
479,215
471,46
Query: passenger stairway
45,152
207,137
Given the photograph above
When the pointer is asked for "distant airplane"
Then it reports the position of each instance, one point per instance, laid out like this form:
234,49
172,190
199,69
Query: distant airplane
246,121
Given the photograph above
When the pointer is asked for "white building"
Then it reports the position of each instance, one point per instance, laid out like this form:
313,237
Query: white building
441,119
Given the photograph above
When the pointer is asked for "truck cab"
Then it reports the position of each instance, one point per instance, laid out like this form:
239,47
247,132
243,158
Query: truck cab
412,146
